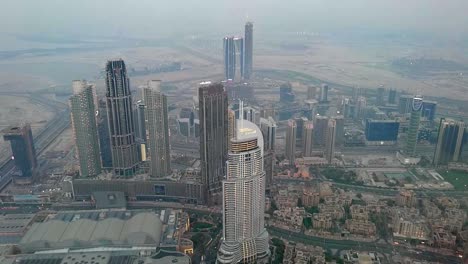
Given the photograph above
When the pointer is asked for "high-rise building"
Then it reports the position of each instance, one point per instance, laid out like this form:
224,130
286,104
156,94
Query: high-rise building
323,93
392,93
404,104
24,153
449,142
120,116
300,121
307,138
413,128
104,136
213,115
268,128
330,141
361,106
231,126
311,91
85,131
340,134
157,127
139,117
320,130
290,146
381,132
286,93
429,109
248,49
380,96
245,239
233,48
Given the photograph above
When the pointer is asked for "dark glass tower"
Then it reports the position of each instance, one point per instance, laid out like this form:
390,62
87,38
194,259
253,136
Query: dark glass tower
449,142
22,147
120,116
104,137
248,50
213,114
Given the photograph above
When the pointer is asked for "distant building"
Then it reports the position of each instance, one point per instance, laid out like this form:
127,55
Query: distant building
360,109
286,93
380,96
340,132
104,136
245,239
139,117
449,141
381,132
290,146
307,138
320,130
120,117
323,93
330,141
412,133
311,92
85,131
268,128
231,126
24,152
157,126
248,50
404,104
213,114
392,93
429,110
233,48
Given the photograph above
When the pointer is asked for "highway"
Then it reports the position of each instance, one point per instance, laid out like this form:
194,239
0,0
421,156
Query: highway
45,137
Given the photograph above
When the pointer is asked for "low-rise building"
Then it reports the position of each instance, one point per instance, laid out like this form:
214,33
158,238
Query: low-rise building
408,224
322,221
443,239
360,227
334,211
447,202
292,216
406,198
310,198
354,257
359,212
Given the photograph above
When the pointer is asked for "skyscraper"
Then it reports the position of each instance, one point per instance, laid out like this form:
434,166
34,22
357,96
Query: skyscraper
404,104
320,130
323,93
245,239
233,49
24,153
311,90
290,146
307,138
248,49
340,134
158,129
104,136
213,115
286,93
449,142
392,96
429,109
139,117
85,131
380,96
231,126
268,128
120,117
413,128
330,142
360,110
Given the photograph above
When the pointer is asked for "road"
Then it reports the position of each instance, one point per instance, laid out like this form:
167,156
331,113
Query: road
357,245
45,137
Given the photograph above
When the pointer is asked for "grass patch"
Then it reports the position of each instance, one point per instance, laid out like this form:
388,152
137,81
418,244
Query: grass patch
459,179
202,225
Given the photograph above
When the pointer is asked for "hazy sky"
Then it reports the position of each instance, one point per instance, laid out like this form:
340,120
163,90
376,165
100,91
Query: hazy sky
153,17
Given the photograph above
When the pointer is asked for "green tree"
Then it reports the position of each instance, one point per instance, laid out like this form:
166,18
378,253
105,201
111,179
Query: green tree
307,222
